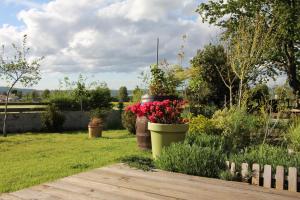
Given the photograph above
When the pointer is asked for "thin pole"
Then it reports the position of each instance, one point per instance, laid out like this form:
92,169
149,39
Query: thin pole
157,51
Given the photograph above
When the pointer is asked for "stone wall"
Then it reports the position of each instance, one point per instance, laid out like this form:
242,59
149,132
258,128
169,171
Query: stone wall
75,120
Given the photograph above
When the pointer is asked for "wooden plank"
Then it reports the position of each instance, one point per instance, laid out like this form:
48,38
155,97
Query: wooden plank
292,182
279,177
245,172
30,193
118,191
232,169
9,197
267,176
256,174
204,187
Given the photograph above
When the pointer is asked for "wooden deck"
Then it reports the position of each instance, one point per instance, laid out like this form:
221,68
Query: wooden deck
121,182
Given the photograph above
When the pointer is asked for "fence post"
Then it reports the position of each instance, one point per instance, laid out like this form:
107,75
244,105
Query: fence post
227,165
292,179
244,172
232,169
256,174
279,177
267,176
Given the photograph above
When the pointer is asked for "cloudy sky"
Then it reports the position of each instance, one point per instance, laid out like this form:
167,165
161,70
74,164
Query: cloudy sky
106,40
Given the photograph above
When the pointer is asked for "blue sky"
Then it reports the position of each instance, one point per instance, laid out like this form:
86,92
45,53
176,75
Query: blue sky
110,41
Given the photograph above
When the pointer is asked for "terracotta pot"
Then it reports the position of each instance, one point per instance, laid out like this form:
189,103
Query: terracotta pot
95,131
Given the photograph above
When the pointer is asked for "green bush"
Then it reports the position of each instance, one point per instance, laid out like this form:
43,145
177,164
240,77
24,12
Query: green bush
201,125
53,119
128,121
192,160
202,140
293,135
266,154
64,102
99,98
238,127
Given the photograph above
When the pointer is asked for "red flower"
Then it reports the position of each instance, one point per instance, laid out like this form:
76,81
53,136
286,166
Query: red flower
165,112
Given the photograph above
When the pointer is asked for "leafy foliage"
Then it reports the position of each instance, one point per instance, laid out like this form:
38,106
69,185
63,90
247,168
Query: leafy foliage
123,94
53,119
239,128
283,52
293,135
192,160
266,154
200,125
137,94
17,69
128,121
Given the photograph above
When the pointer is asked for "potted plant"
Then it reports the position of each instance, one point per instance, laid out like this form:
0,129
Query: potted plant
96,123
95,127
165,122
162,86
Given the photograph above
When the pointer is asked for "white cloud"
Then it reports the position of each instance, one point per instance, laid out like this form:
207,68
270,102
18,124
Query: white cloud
109,36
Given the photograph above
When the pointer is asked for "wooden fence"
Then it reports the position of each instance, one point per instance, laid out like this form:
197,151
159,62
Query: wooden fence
265,178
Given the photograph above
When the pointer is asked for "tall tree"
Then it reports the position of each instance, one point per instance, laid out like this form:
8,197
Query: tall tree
137,94
46,94
247,48
123,94
211,71
17,69
285,51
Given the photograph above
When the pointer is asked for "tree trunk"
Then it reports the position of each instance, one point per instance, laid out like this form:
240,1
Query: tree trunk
5,113
240,92
292,67
230,96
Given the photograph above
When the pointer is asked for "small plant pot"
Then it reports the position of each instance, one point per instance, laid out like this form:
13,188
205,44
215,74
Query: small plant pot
163,135
95,131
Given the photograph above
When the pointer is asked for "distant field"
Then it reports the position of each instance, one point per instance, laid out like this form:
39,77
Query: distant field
23,106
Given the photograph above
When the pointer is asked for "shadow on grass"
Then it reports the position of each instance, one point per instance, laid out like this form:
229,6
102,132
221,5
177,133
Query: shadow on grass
139,162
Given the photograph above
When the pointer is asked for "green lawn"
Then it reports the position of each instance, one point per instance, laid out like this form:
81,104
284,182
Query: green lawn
30,159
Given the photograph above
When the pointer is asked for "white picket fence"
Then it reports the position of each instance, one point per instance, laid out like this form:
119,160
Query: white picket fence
256,175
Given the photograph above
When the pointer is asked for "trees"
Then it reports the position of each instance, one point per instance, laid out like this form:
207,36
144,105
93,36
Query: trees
46,94
17,69
283,15
212,75
137,94
247,49
123,94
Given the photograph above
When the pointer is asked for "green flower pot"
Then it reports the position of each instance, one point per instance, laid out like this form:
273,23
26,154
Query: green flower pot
163,135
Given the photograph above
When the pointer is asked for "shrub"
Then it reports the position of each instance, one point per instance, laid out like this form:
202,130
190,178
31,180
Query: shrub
293,135
192,160
203,140
128,121
64,102
201,125
53,119
238,127
99,98
266,154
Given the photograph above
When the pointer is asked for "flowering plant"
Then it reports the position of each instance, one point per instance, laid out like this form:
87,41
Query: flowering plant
163,112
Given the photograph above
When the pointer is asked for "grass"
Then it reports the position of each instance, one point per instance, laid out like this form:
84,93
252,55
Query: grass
30,159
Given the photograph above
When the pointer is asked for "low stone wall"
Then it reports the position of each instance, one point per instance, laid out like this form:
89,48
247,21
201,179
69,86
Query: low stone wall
75,120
